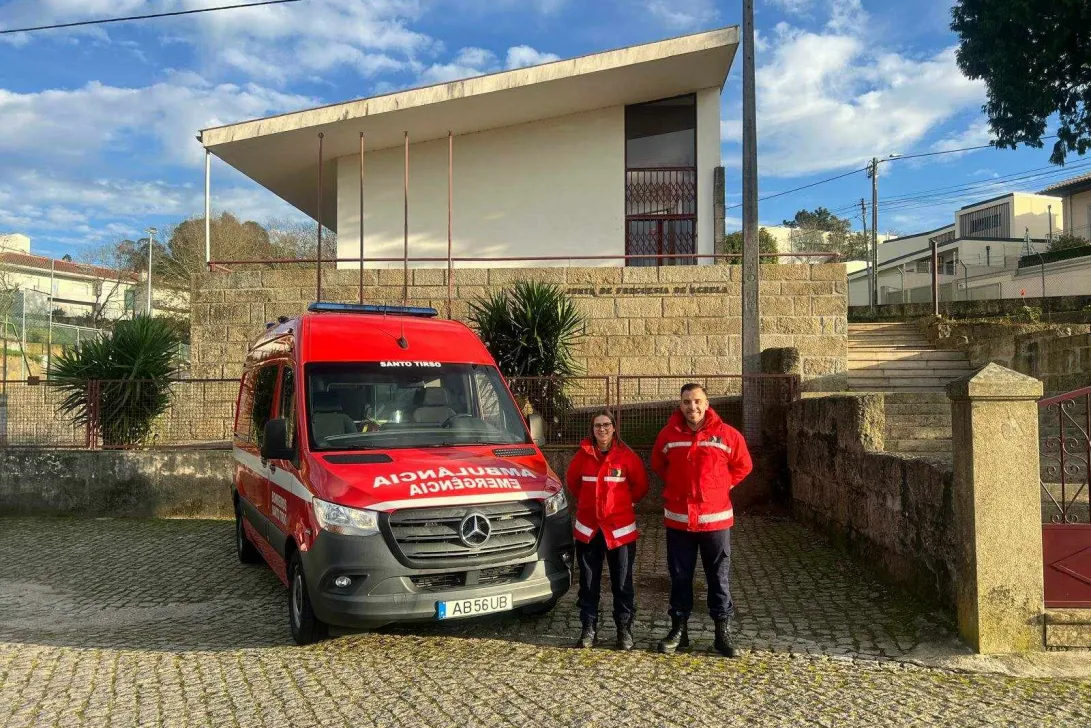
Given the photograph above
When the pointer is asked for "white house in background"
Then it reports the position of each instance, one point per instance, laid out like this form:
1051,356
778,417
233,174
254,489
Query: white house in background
612,153
793,240
986,239
1075,194
77,289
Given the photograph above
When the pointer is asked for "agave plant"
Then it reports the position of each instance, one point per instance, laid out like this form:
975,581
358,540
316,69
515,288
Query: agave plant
531,331
118,384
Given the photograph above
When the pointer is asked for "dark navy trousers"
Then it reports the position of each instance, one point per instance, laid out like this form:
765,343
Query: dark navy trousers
715,550
620,561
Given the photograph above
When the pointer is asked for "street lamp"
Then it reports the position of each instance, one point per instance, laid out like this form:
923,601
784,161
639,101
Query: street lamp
151,243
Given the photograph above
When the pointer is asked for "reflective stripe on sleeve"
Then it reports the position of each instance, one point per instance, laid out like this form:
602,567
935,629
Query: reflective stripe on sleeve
624,530
580,528
589,479
613,479
669,445
672,516
713,517
707,443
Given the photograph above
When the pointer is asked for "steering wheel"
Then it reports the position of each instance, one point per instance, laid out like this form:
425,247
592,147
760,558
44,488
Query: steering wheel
458,416
367,424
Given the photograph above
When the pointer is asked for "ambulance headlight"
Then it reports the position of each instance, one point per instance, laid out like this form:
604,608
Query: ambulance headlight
344,520
555,504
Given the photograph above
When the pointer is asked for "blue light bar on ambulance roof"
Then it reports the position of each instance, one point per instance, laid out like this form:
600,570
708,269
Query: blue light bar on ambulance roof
329,307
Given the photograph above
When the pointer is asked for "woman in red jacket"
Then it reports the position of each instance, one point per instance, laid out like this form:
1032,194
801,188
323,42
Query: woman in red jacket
606,478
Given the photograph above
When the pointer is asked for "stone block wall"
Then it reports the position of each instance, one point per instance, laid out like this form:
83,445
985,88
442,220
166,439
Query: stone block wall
894,512
680,320
1057,354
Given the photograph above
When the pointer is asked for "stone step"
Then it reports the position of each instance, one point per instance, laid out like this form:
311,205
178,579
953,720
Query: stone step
917,410
901,433
891,347
923,398
945,373
879,353
929,446
899,380
881,326
909,364
936,419
874,389
1068,628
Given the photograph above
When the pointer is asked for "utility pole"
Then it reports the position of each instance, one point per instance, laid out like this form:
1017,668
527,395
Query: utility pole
863,221
151,244
873,172
751,314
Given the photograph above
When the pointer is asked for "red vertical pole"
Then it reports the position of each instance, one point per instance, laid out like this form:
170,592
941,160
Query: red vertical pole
361,217
318,282
405,251
450,205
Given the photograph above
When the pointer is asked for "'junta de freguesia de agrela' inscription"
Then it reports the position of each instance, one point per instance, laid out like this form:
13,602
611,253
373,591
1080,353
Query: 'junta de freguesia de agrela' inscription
690,290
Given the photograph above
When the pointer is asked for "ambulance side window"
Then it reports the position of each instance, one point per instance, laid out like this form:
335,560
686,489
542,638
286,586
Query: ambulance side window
488,401
265,384
246,407
287,401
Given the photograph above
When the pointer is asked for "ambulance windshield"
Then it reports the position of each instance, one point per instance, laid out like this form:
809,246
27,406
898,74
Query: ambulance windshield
409,404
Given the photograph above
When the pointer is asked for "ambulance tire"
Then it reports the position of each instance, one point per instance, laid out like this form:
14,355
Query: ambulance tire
535,610
306,627
245,549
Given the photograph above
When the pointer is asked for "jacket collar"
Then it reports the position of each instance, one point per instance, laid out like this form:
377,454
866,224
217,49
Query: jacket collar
678,421
591,448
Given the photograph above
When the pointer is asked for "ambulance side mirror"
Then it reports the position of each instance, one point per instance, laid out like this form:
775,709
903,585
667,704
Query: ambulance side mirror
537,428
275,445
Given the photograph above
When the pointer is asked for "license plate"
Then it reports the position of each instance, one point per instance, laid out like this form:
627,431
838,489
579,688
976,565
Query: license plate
473,607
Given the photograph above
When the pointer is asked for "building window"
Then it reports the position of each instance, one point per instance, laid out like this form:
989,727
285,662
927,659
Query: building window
988,222
661,181
924,266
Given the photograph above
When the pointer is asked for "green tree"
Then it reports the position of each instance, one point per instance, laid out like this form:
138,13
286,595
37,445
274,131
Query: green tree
118,384
732,245
1065,241
819,230
1035,59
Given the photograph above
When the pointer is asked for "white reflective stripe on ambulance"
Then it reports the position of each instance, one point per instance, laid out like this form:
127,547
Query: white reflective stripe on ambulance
672,516
278,476
456,500
709,443
624,530
713,517
586,531
669,445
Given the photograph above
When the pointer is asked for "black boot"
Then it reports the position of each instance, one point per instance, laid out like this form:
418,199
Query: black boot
723,643
624,633
587,636
677,638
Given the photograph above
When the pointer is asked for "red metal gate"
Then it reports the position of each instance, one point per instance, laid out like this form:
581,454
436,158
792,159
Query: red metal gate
1065,422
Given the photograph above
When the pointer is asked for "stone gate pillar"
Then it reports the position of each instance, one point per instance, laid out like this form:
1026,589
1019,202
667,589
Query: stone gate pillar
997,509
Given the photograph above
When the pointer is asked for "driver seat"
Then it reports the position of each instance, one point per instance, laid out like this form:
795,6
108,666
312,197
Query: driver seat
434,407
327,419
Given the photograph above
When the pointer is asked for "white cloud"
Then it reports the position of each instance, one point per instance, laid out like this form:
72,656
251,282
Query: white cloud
975,135
792,7
731,131
472,61
523,55
682,14
79,126
832,99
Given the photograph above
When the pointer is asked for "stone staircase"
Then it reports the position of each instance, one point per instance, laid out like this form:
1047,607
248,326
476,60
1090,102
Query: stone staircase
897,360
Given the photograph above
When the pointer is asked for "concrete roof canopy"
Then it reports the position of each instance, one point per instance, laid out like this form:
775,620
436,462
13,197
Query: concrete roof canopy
281,152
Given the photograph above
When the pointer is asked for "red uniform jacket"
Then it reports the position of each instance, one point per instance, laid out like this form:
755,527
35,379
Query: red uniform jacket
699,469
605,489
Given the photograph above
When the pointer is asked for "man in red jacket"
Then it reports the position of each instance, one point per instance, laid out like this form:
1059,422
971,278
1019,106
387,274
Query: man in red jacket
700,459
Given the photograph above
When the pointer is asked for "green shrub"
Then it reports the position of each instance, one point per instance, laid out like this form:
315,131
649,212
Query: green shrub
132,369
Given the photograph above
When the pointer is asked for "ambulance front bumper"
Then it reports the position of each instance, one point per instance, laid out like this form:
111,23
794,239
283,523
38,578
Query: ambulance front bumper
384,591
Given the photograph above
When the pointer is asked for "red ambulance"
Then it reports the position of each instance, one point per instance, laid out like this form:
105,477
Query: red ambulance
385,473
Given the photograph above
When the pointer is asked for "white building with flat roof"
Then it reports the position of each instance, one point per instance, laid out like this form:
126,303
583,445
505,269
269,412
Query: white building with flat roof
609,154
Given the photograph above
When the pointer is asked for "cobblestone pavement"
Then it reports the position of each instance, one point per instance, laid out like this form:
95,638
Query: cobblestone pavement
127,622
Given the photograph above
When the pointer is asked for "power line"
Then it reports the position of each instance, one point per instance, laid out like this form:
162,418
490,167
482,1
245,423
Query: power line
990,145
146,17
797,189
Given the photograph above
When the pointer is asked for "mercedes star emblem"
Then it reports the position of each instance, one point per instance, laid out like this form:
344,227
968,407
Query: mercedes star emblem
474,530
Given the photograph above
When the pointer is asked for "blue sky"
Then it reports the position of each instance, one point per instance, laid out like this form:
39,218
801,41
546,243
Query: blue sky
97,125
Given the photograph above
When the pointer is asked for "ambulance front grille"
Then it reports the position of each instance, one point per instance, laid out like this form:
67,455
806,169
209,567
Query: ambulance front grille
430,536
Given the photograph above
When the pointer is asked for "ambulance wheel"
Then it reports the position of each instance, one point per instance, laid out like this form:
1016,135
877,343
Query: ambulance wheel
246,551
306,627
535,610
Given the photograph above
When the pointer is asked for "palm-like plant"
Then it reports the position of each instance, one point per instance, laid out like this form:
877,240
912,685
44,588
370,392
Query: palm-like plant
117,385
531,331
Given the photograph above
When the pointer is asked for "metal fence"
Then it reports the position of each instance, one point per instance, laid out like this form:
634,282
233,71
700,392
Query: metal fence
199,413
